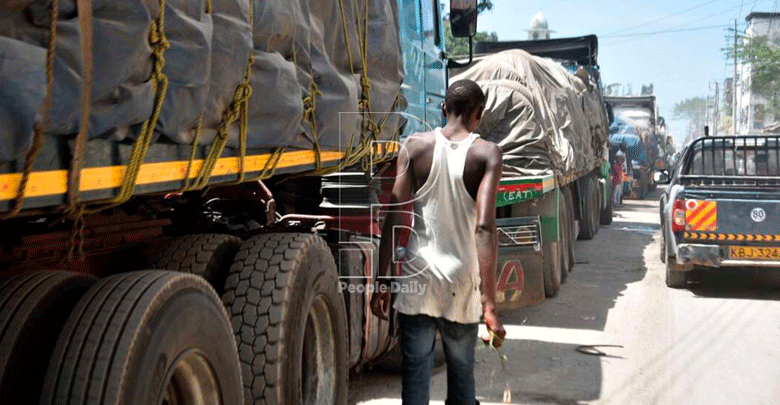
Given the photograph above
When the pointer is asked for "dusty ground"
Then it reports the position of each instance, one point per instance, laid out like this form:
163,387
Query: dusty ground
717,342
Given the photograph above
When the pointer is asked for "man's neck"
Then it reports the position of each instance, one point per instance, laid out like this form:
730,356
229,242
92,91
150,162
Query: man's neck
455,130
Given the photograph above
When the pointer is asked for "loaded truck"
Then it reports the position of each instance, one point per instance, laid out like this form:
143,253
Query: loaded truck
545,109
638,129
189,192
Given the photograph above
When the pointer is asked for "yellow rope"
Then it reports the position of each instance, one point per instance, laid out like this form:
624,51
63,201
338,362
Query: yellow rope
40,127
159,43
237,110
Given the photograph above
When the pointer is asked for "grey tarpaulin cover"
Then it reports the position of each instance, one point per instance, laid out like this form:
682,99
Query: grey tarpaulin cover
546,120
298,48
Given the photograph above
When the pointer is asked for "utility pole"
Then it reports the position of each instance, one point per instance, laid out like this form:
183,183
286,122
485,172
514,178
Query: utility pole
734,82
717,110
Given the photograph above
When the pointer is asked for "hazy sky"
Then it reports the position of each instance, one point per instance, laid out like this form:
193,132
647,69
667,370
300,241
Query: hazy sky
680,64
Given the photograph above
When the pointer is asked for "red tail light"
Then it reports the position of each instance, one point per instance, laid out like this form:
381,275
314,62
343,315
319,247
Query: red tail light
678,216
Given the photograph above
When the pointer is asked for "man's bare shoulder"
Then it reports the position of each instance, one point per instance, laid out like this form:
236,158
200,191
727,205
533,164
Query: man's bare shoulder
487,150
419,142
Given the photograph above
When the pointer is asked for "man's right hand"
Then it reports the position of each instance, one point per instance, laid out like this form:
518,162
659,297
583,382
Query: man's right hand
380,304
495,327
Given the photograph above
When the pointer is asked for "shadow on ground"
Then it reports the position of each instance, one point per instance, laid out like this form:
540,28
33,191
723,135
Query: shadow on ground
736,283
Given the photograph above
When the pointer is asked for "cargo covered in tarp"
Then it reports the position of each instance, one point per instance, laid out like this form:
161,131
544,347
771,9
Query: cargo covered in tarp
317,70
546,120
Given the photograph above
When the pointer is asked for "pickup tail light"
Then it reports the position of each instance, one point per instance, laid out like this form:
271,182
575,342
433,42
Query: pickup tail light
678,216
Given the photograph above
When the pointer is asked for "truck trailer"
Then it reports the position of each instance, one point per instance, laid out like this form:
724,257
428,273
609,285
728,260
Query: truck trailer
545,109
638,129
189,192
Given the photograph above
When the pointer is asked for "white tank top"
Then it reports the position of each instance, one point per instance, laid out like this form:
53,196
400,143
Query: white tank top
440,275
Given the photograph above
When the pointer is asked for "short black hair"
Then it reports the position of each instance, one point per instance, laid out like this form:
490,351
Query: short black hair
464,97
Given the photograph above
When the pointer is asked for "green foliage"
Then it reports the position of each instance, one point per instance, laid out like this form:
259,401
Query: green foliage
764,58
484,5
695,111
460,46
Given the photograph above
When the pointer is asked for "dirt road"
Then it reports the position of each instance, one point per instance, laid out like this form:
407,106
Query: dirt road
717,342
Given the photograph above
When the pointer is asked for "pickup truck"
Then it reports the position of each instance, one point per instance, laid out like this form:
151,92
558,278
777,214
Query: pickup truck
722,206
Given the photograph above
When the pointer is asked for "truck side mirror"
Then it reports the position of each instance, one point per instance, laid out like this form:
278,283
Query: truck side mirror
463,18
662,177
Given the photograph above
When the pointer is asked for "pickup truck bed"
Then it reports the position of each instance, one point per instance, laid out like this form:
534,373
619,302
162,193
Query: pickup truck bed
722,207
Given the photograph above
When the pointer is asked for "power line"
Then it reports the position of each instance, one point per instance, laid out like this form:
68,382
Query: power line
662,18
709,27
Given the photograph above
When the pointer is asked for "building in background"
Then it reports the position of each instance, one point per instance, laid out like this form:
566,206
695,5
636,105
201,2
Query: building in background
539,28
752,116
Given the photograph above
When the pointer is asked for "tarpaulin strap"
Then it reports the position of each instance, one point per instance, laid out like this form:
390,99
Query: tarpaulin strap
40,127
85,41
346,36
309,114
159,43
237,110
193,152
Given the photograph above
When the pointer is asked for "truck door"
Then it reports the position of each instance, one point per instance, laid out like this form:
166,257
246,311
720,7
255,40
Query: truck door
410,34
435,70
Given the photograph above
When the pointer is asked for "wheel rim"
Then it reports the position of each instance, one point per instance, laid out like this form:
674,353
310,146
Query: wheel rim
318,381
192,381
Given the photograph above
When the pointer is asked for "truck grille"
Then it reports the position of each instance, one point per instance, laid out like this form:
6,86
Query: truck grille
519,232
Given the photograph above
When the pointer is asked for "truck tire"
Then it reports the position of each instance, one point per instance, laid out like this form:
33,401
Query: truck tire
606,213
146,337
587,221
289,319
552,268
564,242
33,309
205,255
674,277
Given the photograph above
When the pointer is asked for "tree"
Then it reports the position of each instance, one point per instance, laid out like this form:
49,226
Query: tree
764,59
460,46
695,111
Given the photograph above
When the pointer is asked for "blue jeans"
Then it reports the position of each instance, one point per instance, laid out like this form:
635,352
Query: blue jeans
418,337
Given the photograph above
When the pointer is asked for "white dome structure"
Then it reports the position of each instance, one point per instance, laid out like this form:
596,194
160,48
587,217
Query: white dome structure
539,28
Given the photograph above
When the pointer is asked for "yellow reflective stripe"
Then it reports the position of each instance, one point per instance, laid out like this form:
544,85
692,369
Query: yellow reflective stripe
707,210
55,182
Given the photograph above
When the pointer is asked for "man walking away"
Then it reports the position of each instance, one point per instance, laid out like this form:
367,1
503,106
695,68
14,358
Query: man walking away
451,176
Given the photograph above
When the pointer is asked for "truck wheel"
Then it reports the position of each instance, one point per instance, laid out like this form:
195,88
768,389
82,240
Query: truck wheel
606,213
572,236
146,337
205,255
674,277
563,238
33,309
597,197
289,320
589,198
552,268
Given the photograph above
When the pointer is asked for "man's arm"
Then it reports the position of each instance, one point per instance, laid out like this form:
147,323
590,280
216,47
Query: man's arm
401,194
487,235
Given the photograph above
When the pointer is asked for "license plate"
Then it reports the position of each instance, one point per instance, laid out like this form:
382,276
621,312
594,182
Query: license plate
754,253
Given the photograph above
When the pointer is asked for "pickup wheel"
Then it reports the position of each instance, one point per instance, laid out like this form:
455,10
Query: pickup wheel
675,278
146,337
289,320
205,255
33,309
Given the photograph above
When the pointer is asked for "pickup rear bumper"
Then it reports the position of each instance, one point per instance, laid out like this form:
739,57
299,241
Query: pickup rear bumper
715,256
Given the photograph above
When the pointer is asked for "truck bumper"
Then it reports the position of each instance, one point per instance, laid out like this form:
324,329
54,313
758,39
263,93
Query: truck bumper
715,256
